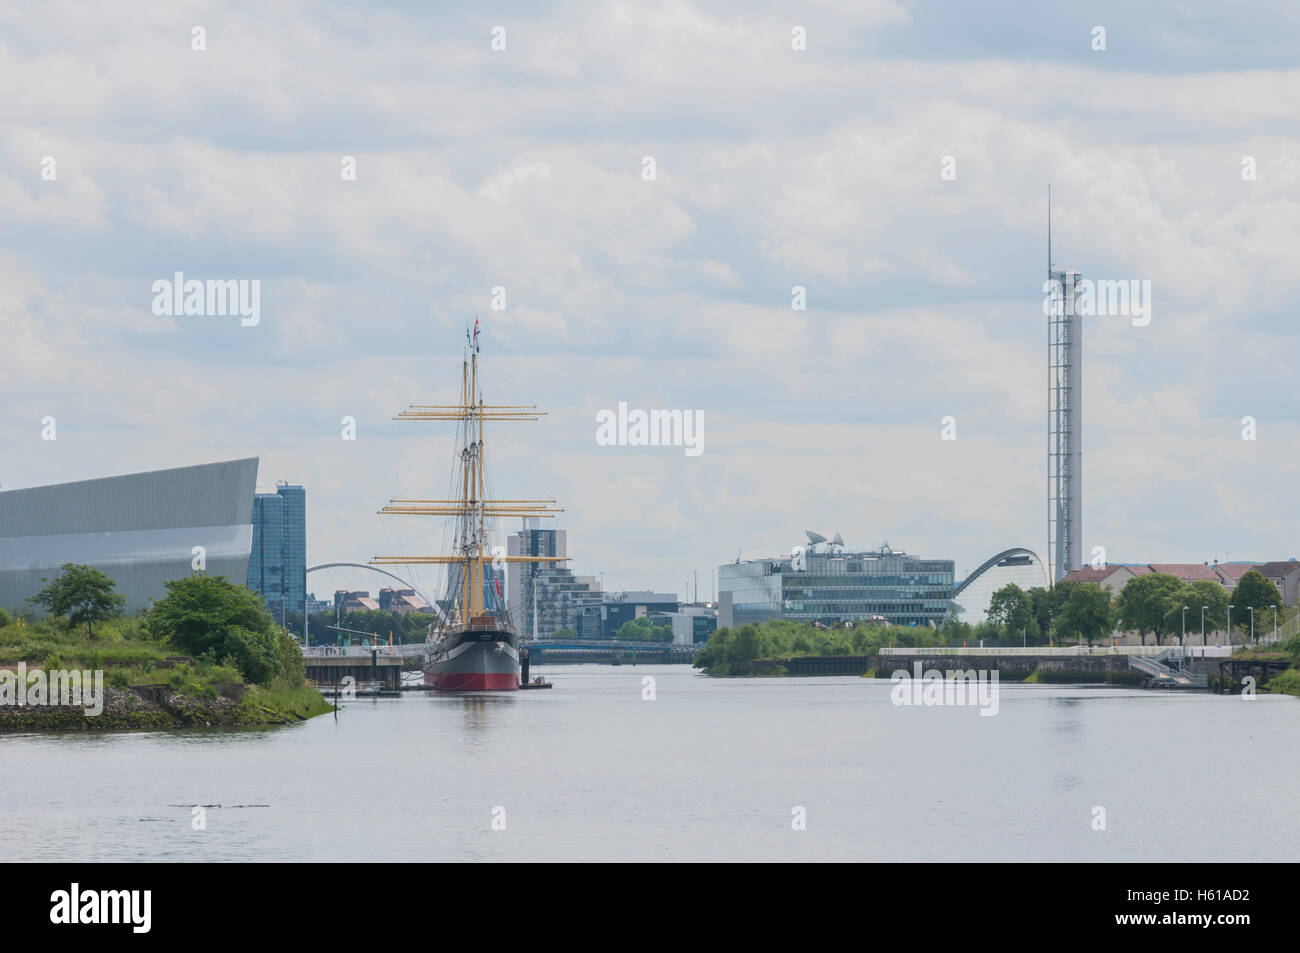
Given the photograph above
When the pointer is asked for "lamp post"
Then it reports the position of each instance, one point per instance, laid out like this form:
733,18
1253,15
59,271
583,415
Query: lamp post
1275,623
1229,632
1182,640
1203,608
1252,622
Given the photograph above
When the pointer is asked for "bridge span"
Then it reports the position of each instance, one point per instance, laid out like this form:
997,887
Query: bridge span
414,655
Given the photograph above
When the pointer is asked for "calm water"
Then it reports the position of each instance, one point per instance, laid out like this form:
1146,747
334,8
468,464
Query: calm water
711,769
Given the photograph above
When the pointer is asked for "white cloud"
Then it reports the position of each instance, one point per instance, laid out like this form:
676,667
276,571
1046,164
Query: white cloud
522,169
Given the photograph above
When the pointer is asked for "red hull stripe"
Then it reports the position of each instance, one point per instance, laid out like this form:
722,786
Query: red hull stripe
473,681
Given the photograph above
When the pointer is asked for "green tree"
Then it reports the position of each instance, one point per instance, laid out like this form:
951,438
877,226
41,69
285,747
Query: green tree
1147,603
81,594
954,631
1087,613
1011,610
643,630
219,621
1255,591
1194,595
1046,604
1043,607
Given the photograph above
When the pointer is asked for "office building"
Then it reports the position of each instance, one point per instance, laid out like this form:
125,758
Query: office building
692,625
358,600
618,608
832,586
277,565
402,601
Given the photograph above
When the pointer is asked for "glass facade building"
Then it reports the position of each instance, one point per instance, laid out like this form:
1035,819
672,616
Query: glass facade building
620,608
836,586
277,565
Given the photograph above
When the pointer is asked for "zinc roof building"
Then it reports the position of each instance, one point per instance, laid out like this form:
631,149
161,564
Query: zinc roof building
141,529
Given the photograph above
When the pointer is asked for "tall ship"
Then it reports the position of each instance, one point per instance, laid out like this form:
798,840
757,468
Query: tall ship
474,645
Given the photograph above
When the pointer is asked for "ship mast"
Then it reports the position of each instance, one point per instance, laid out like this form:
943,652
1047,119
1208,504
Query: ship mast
473,509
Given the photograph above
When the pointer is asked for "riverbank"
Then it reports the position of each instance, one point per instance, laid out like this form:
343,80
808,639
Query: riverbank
157,707
207,656
1026,669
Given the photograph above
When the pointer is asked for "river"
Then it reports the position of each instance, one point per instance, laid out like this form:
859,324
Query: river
709,769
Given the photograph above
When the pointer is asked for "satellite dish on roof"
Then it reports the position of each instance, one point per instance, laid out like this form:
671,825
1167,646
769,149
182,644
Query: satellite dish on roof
814,538
838,540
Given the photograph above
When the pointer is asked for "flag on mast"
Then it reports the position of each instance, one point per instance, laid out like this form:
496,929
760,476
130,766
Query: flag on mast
475,342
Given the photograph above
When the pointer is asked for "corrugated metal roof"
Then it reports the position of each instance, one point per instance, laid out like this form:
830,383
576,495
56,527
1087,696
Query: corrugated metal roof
211,494
140,529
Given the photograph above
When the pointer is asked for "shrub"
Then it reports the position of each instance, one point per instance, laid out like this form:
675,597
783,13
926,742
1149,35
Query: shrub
1287,682
216,620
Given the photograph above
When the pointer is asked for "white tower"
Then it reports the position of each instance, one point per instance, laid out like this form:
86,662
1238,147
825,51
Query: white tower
1064,415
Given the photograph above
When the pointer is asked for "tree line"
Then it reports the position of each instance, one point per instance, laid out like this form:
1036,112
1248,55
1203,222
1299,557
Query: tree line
1083,612
1155,604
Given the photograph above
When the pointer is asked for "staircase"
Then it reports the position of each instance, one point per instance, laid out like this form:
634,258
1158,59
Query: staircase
1168,670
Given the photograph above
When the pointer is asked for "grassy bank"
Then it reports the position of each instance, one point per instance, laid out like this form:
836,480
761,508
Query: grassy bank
147,682
757,649
1288,681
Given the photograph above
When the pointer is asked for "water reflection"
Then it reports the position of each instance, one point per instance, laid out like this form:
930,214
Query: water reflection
1067,717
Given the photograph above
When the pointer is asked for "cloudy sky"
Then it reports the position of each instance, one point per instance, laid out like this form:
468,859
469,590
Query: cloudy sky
523,168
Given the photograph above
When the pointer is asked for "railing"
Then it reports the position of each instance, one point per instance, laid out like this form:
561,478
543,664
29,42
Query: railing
1164,673
1192,651
1148,665
1285,631
363,651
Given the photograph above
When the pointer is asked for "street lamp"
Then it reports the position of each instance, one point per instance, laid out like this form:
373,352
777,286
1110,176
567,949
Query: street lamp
1203,608
1275,623
1252,622
1183,639
1228,635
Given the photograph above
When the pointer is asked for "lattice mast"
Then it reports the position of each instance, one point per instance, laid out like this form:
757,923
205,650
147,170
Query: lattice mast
473,511
1064,416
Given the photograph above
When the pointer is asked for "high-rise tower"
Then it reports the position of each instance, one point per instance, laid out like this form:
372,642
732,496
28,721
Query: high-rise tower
1064,415
277,567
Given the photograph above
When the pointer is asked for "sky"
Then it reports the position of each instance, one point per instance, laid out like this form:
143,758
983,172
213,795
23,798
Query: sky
895,168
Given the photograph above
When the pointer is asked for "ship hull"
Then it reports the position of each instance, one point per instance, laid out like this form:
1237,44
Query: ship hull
475,660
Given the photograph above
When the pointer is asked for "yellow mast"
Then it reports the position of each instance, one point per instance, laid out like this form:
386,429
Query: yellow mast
472,509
